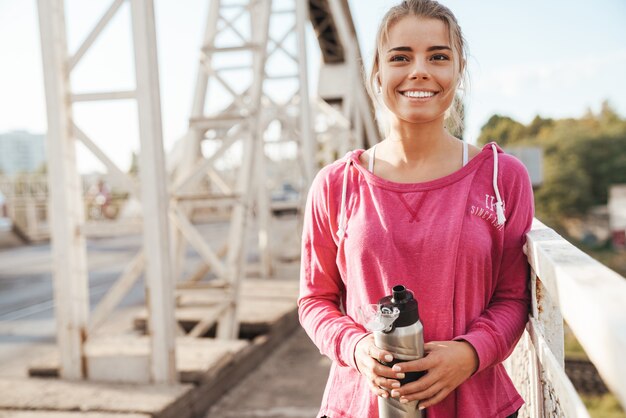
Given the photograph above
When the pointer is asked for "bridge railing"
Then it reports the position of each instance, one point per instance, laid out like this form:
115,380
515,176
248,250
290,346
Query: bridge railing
27,203
569,285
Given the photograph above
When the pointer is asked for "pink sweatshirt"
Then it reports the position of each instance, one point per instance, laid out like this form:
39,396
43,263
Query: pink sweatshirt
442,240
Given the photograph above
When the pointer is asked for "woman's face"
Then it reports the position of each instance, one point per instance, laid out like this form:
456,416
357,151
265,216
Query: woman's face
418,71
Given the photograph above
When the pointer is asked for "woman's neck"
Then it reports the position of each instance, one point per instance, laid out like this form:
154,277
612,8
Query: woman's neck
415,143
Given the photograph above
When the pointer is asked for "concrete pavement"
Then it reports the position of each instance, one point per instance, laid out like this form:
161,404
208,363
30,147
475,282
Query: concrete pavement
288,384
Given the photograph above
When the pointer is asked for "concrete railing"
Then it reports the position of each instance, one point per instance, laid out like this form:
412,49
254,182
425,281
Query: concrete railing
568,285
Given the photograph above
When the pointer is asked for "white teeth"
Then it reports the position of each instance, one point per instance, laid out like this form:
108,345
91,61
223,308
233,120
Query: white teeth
419,94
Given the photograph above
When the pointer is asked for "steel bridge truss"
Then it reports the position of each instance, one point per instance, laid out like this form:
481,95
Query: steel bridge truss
254,53
236,61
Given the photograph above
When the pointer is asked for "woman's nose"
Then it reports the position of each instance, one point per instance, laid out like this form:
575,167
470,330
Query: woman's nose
419,72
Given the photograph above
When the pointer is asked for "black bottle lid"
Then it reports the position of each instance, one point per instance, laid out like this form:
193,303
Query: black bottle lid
401,298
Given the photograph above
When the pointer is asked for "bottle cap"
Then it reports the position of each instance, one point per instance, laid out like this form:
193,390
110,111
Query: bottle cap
402,299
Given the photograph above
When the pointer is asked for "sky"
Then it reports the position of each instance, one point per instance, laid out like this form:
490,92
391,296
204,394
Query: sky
554,58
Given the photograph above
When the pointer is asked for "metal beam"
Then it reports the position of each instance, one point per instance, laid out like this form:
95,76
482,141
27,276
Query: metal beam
117,292
109,95
125,180
93,35
307,148
154,196
71,294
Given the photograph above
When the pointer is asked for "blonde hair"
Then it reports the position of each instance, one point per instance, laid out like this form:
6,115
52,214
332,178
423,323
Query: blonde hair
429,9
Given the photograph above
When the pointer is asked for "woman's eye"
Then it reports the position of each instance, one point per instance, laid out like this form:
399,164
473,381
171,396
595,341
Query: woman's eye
398,58
440,57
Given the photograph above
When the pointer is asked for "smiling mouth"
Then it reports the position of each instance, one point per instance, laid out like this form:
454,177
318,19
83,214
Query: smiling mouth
418,94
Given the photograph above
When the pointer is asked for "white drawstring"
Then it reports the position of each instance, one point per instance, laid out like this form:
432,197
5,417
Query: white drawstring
499,208
342,212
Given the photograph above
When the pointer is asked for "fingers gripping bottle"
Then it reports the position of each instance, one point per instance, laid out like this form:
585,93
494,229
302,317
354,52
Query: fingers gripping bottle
404,338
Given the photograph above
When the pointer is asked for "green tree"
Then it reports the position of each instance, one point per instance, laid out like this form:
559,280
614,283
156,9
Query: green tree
604,160
582,158
565,191
537,125
502,129
608,118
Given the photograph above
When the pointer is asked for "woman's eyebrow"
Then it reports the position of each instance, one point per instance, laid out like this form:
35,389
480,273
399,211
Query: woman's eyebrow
429,49
438,48
401,48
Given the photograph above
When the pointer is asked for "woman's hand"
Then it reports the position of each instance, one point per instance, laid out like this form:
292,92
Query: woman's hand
447,363
380,378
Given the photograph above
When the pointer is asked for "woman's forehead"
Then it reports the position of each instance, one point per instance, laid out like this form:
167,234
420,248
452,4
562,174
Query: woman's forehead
416,30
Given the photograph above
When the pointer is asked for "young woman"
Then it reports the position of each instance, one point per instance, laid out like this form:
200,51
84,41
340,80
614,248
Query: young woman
423,209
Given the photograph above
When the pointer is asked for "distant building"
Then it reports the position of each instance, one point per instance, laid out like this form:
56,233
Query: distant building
532,158
21,152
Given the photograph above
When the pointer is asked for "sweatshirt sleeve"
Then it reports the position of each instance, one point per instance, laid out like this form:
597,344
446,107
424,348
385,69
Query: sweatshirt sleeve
496,331
321,287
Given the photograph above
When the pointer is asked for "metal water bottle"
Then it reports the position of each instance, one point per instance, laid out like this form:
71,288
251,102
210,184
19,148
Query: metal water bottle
404,338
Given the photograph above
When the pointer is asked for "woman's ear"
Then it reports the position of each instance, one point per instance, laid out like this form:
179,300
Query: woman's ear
377,82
